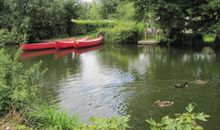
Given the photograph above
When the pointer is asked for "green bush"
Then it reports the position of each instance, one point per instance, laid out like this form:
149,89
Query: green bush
8,37
141,27
185,121
123,32
17,84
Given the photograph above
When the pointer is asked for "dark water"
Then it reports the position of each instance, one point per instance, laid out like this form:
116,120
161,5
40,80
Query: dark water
119,80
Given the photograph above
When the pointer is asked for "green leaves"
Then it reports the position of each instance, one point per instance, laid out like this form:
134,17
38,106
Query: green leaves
152,122
201,116
185,121
112,123
18,85
190,108
184,16
122,32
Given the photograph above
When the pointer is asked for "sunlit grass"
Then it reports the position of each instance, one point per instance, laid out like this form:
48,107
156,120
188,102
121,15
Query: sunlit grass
51,117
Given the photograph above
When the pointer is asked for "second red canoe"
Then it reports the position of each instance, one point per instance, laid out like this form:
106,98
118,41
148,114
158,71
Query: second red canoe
68,44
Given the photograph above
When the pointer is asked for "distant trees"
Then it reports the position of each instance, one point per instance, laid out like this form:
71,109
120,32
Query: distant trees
111,9
38,18
108,7
182,16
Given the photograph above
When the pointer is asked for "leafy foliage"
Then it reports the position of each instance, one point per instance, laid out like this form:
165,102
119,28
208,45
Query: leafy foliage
123,32
125,11
94,13
7,37
180,17
108,7
185,121
17,84
113,123
39,19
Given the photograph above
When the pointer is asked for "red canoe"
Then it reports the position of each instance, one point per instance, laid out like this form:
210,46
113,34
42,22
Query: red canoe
88,43
68,44
37,46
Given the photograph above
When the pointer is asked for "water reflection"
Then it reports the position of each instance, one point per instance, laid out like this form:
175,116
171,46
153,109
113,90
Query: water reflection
93,89
30,54
127,80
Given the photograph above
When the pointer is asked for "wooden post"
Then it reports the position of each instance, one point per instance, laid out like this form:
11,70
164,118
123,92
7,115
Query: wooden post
145,35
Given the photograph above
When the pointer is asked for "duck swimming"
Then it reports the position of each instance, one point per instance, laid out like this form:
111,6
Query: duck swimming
184,85
201,82
163,103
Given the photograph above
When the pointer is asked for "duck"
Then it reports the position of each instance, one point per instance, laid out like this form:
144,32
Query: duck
163,103
201,82
183,85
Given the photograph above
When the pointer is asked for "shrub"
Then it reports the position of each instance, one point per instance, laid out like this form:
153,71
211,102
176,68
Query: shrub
7,37
17,84
123,32
141,27
185,121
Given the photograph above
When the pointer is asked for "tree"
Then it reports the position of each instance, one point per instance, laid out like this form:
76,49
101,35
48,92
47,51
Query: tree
39,19
108,7
94,13
72,11
124,11
5,15
181,17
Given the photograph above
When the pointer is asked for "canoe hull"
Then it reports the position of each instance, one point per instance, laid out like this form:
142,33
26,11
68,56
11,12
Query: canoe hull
64,45
68,44
88,43
37,46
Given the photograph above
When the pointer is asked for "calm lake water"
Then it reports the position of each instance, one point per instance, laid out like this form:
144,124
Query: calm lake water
126,80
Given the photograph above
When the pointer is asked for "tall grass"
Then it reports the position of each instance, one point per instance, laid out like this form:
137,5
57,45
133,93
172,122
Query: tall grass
50,117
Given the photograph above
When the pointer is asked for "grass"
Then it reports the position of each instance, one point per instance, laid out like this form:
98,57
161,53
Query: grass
50,117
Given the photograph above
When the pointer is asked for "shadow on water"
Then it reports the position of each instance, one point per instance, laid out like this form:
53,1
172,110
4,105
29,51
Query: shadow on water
125,80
